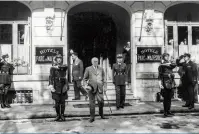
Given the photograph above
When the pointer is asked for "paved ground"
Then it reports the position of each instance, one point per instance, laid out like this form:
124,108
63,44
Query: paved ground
153,123
47,111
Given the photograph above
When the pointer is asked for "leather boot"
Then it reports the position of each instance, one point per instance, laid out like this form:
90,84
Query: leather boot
58,112
101,112
62,112
6,104
1,101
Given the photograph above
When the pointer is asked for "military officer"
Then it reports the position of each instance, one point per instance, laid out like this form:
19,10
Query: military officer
120,80
166,82
6,69
190,77
77,73
58,84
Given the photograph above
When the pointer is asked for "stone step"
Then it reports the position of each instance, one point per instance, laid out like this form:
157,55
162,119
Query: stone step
109,91
83,101
110,97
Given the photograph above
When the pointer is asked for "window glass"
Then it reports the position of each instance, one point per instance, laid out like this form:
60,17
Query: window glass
170,35
182,35
5,33
195,35
21,34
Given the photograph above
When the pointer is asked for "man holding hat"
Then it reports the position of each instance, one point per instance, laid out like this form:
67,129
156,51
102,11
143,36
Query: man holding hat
58,84
166,82
120,80
94,76
190,79
6,70
77,73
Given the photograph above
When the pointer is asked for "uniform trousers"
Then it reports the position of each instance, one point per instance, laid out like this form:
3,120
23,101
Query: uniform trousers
78,88
100,100
4,93
191,96
120,95
59,102
167,94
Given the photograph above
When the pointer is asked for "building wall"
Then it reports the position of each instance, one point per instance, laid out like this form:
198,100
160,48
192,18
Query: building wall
146,73
145,85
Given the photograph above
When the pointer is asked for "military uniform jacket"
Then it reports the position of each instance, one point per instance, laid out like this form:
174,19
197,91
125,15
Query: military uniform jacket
191,73
6,70
58,79
120,74
77,70
166,75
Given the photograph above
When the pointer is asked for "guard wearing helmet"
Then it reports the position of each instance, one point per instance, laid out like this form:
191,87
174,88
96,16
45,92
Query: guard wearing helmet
120,81
6,69
166,82
58,84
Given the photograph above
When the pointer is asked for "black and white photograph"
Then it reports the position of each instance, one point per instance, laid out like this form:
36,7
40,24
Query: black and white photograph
99,66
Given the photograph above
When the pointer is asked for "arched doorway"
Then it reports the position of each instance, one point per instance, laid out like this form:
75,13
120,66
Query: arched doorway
98,29
15,33
182,29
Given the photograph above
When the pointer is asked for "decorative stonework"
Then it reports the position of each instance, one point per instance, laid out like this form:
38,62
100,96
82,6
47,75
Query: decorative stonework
50,18
149,18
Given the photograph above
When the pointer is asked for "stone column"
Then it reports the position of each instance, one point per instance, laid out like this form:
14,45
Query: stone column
133,56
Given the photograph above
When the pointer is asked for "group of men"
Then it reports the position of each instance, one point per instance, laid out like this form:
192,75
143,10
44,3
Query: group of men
189,79
91,83
167,83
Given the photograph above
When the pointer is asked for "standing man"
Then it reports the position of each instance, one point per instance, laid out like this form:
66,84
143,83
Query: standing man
120,81
6,70
181,71
127,59
94,76
58,84
190,79
166,82
77,73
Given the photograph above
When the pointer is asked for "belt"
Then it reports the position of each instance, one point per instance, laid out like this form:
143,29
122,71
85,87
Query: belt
120,74
60,78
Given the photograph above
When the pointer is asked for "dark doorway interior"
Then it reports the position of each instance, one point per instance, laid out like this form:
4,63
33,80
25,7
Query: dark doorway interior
92,34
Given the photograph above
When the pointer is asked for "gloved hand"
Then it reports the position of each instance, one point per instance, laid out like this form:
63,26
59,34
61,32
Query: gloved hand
51,88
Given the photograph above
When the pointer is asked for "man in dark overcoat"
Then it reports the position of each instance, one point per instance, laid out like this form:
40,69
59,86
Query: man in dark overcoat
77,74
120,80
58,84
191,75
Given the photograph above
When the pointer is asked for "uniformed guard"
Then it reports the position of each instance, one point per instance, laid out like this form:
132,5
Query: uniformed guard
120,80
6,70
190,79
58,84
166,82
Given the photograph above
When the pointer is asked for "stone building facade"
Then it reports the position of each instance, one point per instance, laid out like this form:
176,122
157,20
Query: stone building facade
152,27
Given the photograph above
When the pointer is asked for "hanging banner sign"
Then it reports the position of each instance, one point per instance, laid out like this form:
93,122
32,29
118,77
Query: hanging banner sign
44,55
149,54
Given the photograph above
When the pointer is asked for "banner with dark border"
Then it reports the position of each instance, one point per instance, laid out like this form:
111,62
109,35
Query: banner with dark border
149,54
44,55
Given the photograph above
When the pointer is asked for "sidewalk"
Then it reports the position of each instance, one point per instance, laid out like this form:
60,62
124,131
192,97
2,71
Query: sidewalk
47,111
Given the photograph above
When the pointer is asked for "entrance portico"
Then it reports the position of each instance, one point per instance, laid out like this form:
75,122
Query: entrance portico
134,25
